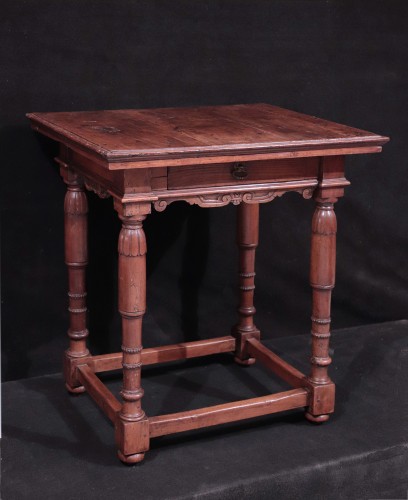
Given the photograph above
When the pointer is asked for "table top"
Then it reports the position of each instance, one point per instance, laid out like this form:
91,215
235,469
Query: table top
179,133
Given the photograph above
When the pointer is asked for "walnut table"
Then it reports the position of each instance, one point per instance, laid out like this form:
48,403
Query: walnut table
210,156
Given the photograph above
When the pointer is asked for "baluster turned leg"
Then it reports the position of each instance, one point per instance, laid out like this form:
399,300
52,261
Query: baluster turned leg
76,258
132,433
247,240
322,279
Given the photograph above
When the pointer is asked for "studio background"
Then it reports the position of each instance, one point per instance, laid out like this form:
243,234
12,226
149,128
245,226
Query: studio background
339,60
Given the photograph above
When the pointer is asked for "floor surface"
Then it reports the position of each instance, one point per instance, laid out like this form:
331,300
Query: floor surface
60,446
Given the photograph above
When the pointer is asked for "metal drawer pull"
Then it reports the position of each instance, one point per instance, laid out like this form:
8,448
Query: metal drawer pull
239,171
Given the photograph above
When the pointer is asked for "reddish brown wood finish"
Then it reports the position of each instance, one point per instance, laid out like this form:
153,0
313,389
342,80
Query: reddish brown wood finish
280,367
76,259
165,354
211,156
228,412
123,138
132,305
247,240
238,173
322,279
99,392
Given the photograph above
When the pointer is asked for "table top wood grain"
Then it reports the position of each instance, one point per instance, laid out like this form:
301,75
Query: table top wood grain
181,133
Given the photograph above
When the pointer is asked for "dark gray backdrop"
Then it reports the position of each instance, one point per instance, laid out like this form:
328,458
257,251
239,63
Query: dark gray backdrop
343,61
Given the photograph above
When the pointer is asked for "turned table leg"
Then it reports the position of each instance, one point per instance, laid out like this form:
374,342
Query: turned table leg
76,257
132,432
322,279
247,240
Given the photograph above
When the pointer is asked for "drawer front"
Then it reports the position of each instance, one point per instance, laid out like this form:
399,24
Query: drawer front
237,173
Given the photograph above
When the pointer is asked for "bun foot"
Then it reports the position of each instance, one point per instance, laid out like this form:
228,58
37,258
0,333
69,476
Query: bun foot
131,459
244,362
316,419
75,390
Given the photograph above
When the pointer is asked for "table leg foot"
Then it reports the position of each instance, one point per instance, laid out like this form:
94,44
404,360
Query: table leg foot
316,419
75,390
130,459
244,362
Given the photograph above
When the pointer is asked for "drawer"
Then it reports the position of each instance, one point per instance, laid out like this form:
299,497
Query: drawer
237,173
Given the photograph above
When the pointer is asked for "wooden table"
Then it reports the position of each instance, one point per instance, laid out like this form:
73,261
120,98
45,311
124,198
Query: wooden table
209,156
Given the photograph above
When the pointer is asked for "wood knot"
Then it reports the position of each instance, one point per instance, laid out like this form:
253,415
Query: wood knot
105,129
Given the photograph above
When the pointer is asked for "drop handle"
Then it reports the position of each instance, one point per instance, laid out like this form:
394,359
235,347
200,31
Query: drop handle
239,171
